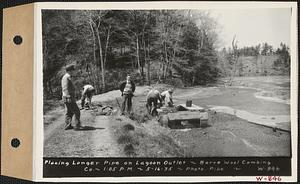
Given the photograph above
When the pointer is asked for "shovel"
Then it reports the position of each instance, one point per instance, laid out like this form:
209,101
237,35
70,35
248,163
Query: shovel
118,104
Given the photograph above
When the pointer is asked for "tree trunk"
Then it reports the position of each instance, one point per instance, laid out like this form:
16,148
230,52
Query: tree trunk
166,61
147,60
101,60
106,45
148,72
95,60
202,39
145,57
132,62
137,54
88,70
193,80
50,87
234,58
163,70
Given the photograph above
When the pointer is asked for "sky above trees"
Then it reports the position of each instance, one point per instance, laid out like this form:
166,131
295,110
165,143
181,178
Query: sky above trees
254,26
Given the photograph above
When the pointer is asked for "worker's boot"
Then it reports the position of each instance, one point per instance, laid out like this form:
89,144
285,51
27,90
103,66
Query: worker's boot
68,126
68,122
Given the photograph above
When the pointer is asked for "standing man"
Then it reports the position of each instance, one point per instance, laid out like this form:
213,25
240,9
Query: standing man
167,97
87,93
152,101
68,96
127,88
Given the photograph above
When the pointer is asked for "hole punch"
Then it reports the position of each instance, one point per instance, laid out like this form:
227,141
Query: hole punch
17,39
15,142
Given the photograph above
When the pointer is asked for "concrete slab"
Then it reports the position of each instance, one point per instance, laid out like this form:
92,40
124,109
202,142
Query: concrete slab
192,108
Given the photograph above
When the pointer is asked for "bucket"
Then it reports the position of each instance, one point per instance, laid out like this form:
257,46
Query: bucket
188,103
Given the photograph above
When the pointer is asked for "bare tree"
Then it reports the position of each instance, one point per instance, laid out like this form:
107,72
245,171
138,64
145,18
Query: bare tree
95,20
233,60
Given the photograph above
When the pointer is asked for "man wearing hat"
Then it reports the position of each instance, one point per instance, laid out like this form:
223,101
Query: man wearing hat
87,93
127,88
153,99
68,96
167,97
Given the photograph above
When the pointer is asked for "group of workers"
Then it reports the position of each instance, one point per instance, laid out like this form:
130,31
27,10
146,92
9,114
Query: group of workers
68,95
127,88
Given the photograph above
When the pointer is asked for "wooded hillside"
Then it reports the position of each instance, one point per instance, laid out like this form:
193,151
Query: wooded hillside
172,46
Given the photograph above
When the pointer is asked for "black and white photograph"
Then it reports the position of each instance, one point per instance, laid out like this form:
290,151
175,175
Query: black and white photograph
166,83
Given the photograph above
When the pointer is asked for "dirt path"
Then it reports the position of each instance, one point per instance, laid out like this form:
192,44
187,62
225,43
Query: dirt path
95,140
104,143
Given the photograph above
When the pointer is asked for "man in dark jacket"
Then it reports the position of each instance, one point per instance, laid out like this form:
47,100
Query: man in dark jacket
68,96
127,88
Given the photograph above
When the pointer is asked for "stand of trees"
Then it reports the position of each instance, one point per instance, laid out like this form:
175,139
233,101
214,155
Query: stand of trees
263,49
284,59
153,46
260,59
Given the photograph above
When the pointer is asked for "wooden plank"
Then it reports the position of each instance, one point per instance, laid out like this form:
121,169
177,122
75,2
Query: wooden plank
184,115
187,115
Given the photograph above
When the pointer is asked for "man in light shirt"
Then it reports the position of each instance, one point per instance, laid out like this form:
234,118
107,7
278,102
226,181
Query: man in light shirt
167,97
153,98
87,94
127,88
68,96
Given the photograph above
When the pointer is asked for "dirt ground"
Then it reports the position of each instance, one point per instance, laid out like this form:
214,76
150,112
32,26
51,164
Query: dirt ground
140,135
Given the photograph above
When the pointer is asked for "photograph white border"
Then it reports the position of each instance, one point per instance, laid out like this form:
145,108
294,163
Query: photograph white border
38,83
